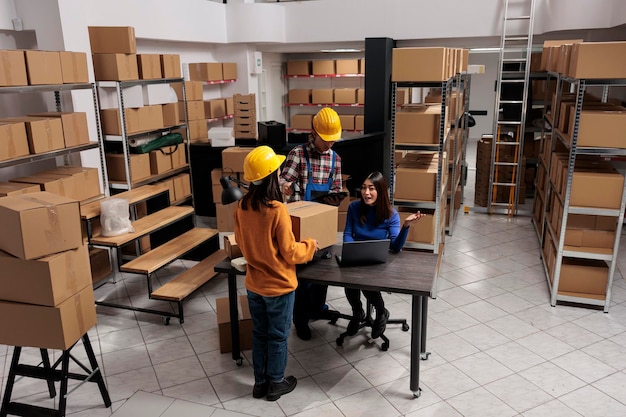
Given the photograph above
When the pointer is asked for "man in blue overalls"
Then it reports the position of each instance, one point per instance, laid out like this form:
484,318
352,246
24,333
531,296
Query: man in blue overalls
312,169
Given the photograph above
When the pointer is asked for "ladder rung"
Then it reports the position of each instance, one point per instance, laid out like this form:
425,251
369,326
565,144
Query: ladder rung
516,39
511,101
514,59
505,164
505,184
518,18
505,122
512,81
506,143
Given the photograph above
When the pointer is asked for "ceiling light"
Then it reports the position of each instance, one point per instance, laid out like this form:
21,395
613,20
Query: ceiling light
341,50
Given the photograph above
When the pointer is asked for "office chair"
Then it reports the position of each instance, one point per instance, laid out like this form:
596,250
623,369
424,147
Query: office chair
368,321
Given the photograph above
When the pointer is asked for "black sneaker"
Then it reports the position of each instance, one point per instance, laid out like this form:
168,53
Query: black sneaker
355,323
380,324
260,390
276,389
303,331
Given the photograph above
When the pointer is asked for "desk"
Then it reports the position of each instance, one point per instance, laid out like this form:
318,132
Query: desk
407,272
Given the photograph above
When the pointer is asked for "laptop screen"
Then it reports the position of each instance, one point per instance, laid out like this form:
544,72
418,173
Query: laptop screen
364,252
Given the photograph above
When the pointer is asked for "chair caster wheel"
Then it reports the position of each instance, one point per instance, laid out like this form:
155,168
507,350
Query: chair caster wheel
166,321
405,327
339,341
385,347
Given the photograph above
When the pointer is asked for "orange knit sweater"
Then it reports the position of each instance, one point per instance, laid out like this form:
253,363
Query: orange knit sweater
270,248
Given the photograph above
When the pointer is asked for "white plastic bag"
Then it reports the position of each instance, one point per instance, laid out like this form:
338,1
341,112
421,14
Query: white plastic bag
115,217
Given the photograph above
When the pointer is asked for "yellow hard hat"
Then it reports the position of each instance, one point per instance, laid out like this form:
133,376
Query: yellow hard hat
327,124
260,163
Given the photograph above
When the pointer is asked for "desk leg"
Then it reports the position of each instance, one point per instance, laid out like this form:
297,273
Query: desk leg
416,339
234,318
424,355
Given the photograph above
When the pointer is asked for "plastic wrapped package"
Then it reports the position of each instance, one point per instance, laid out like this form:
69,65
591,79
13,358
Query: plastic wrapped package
115,217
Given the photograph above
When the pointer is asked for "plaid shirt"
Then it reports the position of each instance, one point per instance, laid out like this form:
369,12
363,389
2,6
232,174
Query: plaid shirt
295,170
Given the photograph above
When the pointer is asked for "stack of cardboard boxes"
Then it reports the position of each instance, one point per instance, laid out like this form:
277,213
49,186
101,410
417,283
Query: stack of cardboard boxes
196,117
75,182
46,287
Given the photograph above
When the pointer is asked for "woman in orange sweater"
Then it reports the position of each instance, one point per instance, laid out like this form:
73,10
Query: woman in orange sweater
263,232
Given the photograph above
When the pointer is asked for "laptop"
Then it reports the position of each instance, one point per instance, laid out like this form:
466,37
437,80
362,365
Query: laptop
363,252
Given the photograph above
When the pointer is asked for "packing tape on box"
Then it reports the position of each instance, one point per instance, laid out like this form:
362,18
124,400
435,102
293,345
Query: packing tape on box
71,276
54,231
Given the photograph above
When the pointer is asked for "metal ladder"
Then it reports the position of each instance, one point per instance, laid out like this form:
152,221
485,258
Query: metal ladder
512,85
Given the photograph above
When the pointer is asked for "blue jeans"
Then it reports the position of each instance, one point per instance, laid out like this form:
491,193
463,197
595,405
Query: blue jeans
271,323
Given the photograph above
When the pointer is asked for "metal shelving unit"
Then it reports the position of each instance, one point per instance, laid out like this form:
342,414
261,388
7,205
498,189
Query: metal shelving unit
545,230
439,204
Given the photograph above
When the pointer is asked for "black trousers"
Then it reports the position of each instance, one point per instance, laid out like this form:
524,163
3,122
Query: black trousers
310,302
374,297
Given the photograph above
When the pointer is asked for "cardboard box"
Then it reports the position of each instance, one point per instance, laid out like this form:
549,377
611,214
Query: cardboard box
195,110
171,115
112,40
598,60
314,220
150,118
39,224
416,182
177,154
230,246
13,140
229,70
13,71
214,109
46,281
149,66
299,96
139,166
223,323
422,231
323,67
74,67
601,128
43,134
65,184
193,90
154,94
230,106
51,185
160,162
182,186
75,130
347,121
583,276
170,65
419,64
16,188
232,158
86,180
198,130
347,66
43,67
322,96
420,125
345,95
302,121
110,119
299,68
205,71
224,215
596,189
47,327
169,184
360,95
362,66
359,122
100,264
115,67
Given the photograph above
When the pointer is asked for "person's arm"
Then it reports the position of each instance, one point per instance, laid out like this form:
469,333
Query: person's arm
337,185
397,234
351,217
290,174
292,251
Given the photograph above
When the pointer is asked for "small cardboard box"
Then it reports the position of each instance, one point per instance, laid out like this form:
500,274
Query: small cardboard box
345,95
182,186
170,65
139,166
230,106
198,130
298,67
416,183
100,264
360,95
232,158
214,109
46,281
75,129
149,66
583,276
74,67
86,180
347,121
177,153
419,64
195,110
347,66
16,188
112,40
223,323
115,67
39,224
13,140
224,217
302,121
229,70
230,246
171,114
299,96
150,117
324,67
193,90
359,122
205,71
47,327
322,96
43,134
110,119
160,162
43,67
13,70
420,125
314,220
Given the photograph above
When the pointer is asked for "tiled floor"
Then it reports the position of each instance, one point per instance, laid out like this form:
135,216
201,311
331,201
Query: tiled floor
498,348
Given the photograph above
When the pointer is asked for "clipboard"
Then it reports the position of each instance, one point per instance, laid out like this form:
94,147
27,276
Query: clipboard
323,197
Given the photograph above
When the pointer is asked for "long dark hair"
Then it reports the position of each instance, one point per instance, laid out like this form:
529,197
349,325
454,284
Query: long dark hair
262,194
383,204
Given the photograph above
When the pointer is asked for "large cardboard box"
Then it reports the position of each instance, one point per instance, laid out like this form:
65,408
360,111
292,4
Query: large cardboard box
43,134
231,247
302,121
583,276
232,158
229,70
347,66
150,118
171,114
43,67
115,67
39,224
46,281
223,323
16,188
139,166
224,217
422,231
149,66
13,140
347,121
601,128
65,183
419,125
198,130
86,180
170,65
598,60
546,55
110,119
299,68
299,96
214,109
51,185
359,122
75,129
193,90
13,70
112,40
47,327
74,67
160,162
345,95
597,189
324,67
416,182
419,64
195,110
322,96
314,220
205,71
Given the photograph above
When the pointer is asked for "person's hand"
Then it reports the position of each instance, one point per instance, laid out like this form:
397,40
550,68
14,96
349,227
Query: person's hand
413,218
317,245
287,188
333,200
